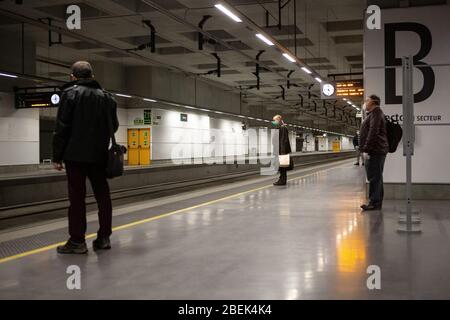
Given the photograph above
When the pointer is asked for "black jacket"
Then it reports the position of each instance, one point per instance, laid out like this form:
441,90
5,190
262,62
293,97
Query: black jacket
284,147
85,115
373,135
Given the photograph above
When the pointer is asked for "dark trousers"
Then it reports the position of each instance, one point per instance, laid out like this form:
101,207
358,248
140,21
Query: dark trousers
374,171
77,173
283,173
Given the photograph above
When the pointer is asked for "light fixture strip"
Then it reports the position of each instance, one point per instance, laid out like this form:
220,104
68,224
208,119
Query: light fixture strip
264,39
289,57
228,12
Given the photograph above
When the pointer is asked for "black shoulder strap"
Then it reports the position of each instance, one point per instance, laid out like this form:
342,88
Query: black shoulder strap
110,124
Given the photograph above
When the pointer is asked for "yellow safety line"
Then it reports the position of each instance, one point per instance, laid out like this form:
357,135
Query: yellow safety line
132,224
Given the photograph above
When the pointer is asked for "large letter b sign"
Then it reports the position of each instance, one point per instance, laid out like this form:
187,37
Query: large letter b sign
391,60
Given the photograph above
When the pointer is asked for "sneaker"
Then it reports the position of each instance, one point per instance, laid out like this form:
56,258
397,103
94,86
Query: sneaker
72,248
101,244
370,207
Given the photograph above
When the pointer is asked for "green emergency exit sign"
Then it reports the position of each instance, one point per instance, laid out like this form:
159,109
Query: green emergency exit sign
148,116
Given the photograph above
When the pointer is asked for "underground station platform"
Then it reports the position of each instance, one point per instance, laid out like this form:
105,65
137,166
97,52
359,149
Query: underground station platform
224,159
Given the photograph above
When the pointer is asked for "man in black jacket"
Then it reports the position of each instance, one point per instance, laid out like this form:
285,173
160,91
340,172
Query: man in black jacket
284,147
87,116
374,143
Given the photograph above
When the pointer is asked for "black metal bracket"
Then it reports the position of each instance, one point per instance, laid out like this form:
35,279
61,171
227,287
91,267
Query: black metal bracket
201,38
256,73
218,69
152,43
280,7
50,38
283,93
324,105
288,81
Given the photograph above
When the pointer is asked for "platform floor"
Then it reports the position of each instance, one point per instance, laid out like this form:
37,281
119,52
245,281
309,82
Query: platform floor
249,240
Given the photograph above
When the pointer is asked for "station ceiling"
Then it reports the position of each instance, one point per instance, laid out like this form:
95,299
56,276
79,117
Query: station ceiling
328,37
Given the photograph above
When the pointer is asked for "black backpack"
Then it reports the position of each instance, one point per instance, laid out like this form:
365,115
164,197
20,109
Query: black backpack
394,134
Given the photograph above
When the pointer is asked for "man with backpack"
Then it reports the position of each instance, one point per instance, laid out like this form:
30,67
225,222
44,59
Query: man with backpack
374,144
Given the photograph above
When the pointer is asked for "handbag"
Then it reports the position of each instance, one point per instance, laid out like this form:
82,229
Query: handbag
115,161
284,160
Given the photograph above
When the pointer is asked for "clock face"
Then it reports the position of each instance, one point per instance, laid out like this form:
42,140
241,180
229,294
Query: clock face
328,89
55,98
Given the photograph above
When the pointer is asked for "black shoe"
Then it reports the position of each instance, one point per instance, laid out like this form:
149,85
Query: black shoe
280,183
72,248
370,207
356,164
101,244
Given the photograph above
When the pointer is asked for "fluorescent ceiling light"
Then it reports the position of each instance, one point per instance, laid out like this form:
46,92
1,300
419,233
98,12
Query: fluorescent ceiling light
149,100
349,102
306,70
344,99
8,75
289,57
318,79
228,12
123,95
263,38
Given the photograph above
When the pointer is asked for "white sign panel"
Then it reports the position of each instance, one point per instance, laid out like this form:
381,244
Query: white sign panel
423,33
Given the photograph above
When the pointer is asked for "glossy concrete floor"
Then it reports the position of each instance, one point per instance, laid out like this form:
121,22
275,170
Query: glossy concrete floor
308,240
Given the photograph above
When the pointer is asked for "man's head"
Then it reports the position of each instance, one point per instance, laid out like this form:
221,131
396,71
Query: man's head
277,119
372,102
81,70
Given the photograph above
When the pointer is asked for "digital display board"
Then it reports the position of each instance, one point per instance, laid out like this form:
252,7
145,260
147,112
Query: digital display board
350,88
43,99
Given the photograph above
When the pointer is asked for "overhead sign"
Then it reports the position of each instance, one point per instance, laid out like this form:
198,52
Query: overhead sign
328,90
350,88
42,99
183,117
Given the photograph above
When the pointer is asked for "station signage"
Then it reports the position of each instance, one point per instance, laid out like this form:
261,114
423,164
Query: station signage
41,99
350,88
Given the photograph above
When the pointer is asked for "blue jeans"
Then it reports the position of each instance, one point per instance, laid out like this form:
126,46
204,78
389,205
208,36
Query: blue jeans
374,171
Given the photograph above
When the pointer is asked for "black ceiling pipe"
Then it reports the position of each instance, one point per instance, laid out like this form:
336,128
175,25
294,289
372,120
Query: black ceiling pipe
218,64
152,35
201,39
288,81
257,69
283,92
301,100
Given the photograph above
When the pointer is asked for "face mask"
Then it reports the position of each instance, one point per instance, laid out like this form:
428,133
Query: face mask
364,106
275,123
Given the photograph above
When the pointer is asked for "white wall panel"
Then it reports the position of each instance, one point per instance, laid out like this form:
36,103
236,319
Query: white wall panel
19,133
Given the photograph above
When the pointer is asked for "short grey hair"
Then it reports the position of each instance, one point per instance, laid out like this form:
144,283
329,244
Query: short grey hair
82,70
